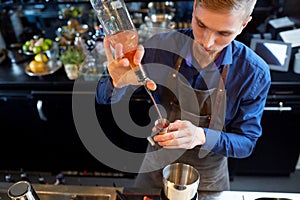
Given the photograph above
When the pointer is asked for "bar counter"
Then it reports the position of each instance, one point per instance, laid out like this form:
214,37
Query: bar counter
109,193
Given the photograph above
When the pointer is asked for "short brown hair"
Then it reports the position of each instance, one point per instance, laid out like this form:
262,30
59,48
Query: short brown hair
229,5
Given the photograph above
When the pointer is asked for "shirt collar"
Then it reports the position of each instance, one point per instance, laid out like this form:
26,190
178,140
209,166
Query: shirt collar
226,57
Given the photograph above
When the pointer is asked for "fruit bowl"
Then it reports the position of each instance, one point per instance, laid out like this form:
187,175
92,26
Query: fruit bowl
43,64
70,33
49,68
70,12
37,45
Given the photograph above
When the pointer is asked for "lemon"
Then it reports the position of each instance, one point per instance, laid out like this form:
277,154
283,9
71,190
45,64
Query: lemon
41,57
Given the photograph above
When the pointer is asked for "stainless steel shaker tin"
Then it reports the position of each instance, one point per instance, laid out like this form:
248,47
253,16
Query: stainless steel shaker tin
180,181
22,190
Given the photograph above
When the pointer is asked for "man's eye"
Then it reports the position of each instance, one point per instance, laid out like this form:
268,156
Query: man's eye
224,33
201,25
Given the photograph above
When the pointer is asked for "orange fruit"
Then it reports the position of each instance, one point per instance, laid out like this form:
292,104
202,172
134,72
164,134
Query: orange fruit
36,67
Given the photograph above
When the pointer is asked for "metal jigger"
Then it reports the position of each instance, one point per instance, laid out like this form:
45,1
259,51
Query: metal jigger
162,127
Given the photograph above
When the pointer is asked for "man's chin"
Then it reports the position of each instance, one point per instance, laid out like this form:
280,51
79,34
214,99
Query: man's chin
203,56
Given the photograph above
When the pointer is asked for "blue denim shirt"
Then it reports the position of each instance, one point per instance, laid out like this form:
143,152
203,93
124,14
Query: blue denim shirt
247,85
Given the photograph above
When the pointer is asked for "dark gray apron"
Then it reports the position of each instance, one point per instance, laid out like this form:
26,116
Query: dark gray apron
212,168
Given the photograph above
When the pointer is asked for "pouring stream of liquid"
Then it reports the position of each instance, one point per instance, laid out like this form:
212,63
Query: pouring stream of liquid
154,102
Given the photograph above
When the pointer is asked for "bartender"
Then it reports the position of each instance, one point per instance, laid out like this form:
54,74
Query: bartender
229,81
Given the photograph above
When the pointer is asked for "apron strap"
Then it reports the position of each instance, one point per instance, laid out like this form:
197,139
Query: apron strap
220,96
177,65
224,73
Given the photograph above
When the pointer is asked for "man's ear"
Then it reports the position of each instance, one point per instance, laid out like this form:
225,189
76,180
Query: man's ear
195,4
245,23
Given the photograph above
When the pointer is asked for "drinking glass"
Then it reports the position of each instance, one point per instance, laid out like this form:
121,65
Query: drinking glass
119,28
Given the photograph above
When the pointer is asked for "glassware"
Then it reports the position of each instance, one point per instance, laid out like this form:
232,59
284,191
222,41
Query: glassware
119,28
93,65
297,62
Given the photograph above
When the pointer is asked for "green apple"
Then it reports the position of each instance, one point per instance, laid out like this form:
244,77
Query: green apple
25,47
49,42
37,49
45,46
27,43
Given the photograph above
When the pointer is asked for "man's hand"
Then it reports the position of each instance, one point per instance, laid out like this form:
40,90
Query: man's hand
181,134
119,67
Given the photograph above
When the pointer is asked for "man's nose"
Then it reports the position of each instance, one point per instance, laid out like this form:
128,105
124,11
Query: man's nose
208,39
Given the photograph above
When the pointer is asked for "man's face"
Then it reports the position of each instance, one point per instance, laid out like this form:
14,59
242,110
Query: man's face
214,30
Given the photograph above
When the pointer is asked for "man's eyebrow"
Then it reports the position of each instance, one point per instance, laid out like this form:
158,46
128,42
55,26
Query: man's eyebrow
219,31
199,21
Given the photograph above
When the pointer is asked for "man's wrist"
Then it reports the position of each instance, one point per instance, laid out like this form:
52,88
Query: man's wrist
201,135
